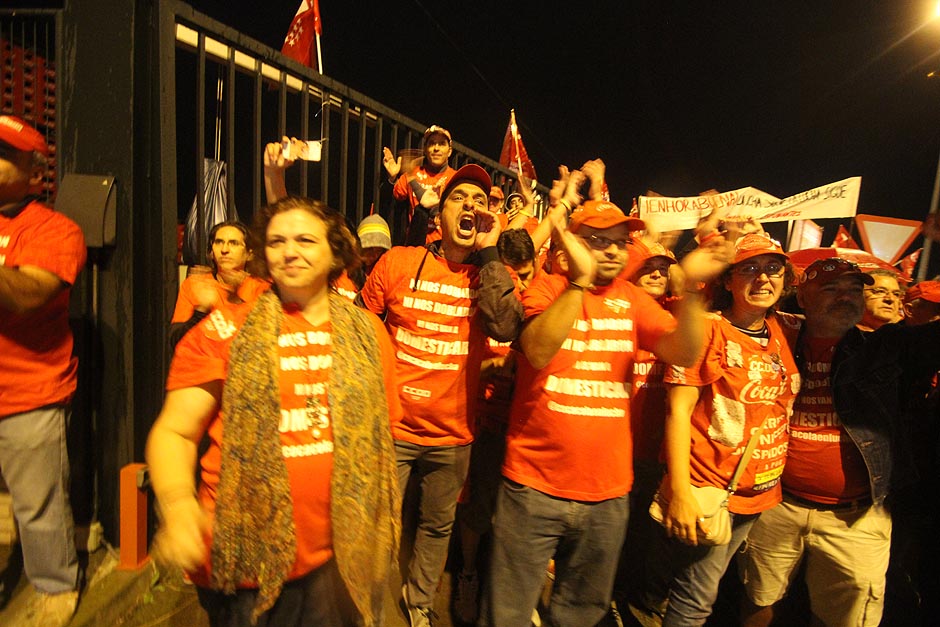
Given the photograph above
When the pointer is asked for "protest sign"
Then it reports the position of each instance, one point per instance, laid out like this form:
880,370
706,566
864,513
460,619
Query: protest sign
835,200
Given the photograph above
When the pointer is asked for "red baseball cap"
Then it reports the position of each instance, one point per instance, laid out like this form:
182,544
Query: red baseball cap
470,173
925,290
824,271
22,136
600,214
754,244
497,192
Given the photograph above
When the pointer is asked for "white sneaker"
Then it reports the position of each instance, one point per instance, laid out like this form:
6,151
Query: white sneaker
465,599
536,619
417,616
51,610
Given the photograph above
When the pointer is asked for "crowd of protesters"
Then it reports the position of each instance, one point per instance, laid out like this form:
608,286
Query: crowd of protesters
546,384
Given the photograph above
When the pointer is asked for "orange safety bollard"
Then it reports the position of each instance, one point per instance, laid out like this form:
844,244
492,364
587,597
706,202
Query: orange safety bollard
134,482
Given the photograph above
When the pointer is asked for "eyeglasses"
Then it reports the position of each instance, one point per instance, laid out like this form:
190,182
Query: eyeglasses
773,269
882,292
599,242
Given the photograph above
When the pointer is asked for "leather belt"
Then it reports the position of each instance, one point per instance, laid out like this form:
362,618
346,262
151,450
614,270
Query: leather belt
842,506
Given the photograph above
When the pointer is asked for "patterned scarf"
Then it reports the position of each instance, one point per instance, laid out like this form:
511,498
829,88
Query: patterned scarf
254,535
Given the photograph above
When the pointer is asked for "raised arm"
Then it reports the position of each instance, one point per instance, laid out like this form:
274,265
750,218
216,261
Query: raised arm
498,304
274,166
683,345
543,335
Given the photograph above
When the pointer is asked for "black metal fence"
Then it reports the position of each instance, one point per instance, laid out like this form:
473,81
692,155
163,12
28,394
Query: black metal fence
226,95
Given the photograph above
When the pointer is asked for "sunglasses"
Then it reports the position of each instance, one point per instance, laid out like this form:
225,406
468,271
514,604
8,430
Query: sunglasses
599,242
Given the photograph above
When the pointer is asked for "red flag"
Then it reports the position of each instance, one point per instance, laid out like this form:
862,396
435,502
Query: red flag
909,262
298,44
844,240
514,155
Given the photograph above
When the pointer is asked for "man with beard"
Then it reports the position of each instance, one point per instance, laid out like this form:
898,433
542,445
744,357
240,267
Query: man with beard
568,466
440,302
846,455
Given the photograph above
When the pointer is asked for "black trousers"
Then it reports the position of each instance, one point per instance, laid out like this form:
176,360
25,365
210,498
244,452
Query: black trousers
318,599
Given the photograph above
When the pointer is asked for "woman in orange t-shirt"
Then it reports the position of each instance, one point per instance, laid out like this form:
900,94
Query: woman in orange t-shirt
744,383
228,283
296,518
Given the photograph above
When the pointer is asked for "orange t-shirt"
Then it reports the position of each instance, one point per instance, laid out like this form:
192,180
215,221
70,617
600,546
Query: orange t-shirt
648,401
427,180
36,363
431,318
306,433
569,428
249,291
744,384
823,464
345,286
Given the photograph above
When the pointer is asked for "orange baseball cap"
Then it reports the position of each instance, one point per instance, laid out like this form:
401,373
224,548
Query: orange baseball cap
600,214
754,244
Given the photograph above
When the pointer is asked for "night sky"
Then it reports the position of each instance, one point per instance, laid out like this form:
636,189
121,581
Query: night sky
675,96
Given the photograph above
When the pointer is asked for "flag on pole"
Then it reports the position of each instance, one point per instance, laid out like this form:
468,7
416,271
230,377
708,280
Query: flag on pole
514,155
844,240
304,29
908,263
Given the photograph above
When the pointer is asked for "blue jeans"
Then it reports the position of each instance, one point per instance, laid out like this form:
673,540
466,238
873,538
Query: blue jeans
441,472
35,466
695,587
532,527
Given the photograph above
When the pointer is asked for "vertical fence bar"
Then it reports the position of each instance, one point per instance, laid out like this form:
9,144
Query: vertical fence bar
304,133
361,165
200,150
230,132
325,160
344,156
256,138
377,160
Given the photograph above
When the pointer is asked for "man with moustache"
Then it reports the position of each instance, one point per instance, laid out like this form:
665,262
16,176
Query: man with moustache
846,455
882,301
440,302
568,466
41,255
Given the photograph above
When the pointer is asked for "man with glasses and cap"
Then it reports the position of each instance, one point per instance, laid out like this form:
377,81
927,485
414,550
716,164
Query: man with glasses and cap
41,254
846,455
568,466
